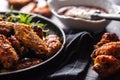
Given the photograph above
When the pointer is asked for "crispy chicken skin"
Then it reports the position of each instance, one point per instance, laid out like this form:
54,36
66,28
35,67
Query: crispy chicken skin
6,27
111,48
106,65
39,31
106,38
53,43
107,55
8,56
30,39
20,49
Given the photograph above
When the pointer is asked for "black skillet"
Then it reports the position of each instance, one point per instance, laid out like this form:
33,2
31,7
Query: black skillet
44,67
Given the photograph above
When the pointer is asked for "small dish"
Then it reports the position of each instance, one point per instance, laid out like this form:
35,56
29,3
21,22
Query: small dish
79,23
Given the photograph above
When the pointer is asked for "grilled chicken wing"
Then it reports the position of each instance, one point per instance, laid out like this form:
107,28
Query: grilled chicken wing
111,48
39,31
106,38
30,39
6,28
107,55
8,56
106,65
20,49
53,43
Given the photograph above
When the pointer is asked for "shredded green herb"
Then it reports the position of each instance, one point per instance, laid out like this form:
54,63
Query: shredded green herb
21,18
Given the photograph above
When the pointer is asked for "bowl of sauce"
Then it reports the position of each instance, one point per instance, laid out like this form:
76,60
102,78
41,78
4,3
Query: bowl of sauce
83,12
75,14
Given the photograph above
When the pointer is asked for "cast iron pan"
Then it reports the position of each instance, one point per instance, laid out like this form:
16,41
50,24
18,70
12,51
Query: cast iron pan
45,66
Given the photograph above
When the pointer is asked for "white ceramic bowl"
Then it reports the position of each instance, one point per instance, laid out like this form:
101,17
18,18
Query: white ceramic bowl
79,23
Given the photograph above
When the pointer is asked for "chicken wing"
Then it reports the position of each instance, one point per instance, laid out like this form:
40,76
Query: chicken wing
8,56
6,28
30,39
20,49
106,65
53,43
107,55
106,38
111,48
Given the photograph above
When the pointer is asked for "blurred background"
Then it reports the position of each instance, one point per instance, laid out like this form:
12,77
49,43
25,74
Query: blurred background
30,6
33,6
116,1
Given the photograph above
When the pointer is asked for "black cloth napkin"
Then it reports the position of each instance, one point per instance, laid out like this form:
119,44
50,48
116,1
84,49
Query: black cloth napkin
77,59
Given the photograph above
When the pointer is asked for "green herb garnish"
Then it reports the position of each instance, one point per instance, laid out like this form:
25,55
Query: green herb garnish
22,18
25,19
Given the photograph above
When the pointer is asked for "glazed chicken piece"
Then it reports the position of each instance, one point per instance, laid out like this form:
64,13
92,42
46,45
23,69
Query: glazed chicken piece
20,49
39,31
6,28
106,38
30,39
106,65
111,48
8,55
53,44
107,55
